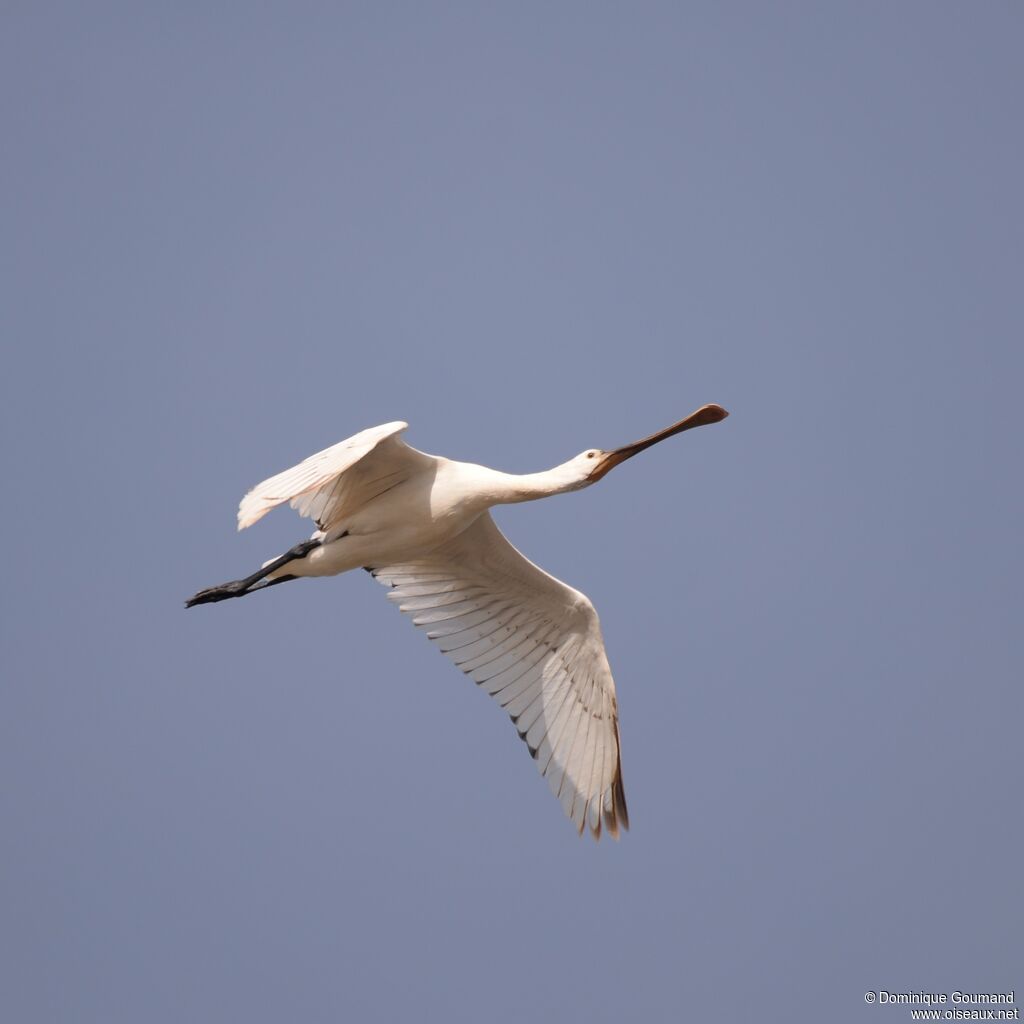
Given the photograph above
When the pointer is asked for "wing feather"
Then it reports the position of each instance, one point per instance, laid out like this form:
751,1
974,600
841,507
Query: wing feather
328,485
466,623
534,644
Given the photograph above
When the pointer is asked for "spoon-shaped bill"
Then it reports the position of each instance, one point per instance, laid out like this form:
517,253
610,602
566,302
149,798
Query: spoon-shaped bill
702,417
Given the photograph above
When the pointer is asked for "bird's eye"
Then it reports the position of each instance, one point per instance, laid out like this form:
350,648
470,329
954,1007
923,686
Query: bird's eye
590,455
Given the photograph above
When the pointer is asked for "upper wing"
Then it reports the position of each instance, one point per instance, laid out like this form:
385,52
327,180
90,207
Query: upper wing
346,475
535,645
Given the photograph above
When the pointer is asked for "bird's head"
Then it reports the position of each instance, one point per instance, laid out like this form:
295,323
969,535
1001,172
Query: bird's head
595,463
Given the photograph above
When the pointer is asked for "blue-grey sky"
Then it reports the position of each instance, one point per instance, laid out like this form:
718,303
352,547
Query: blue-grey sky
233,235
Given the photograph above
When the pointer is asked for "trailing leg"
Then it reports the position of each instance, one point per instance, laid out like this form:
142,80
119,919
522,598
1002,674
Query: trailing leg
257,581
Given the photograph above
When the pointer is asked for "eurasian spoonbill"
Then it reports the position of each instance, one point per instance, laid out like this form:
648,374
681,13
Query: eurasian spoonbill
420,525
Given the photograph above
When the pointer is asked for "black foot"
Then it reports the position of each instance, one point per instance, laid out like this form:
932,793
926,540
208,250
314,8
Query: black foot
236,588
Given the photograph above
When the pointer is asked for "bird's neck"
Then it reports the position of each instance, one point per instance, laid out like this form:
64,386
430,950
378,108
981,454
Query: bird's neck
511,488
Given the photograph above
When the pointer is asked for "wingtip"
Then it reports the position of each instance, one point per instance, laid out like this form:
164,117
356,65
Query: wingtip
620,801
250,510
614,813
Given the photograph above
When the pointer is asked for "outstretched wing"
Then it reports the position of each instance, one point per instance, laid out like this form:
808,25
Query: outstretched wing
327,485
535,645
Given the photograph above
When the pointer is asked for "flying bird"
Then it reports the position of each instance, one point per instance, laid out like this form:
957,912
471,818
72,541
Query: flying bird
420,524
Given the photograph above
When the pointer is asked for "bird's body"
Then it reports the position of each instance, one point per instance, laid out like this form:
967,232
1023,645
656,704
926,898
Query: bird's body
411,504
421,524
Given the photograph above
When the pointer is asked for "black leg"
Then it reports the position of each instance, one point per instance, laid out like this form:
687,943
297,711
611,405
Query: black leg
239,588
299,551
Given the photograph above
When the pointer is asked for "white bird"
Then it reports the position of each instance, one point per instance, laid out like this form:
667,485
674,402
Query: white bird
420,525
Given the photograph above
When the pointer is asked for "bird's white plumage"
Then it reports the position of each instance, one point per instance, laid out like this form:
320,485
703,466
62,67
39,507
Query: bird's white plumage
535,645
348,474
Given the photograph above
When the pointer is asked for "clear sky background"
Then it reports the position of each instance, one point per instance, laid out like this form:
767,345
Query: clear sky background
234,234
